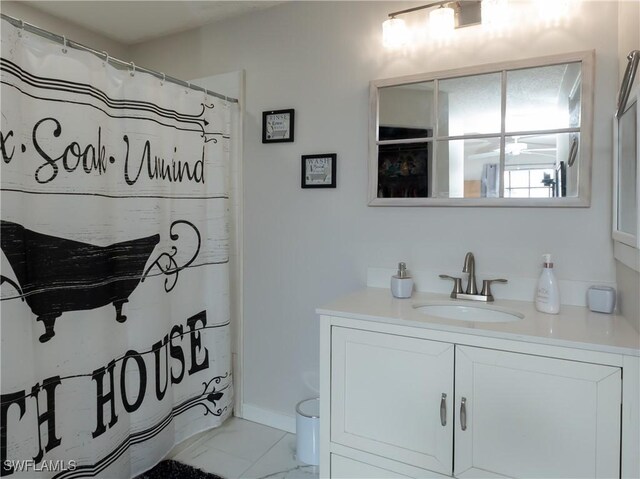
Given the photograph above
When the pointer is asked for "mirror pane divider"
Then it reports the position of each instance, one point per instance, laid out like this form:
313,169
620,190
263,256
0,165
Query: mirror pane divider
433,177
503,122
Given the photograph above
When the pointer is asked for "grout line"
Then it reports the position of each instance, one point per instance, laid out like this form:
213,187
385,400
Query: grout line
284,434
209,434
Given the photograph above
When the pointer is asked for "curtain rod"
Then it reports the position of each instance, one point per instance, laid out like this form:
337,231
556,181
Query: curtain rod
105,56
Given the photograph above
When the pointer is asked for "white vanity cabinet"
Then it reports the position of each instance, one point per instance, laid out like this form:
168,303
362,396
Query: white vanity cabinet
400,401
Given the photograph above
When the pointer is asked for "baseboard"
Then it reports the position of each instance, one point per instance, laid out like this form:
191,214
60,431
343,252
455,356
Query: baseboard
269,418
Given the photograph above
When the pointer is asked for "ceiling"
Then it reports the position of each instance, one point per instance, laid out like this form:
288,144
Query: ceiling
130,22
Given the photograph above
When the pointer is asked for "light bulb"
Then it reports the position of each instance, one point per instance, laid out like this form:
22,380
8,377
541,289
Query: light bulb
441,22
394,33
552,12
495,14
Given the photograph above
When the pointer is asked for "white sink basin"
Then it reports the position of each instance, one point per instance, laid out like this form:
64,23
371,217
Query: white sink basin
469,312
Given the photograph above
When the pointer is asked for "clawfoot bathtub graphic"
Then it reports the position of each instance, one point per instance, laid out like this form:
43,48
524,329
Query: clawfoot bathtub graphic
56,275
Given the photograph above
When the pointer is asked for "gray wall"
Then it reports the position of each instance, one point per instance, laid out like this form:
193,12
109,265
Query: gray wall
305,247
59,26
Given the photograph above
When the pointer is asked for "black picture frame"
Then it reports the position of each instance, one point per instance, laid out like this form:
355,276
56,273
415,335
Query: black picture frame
319,171
278,126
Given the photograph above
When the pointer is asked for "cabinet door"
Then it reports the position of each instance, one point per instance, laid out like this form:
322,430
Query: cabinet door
387,397
534,417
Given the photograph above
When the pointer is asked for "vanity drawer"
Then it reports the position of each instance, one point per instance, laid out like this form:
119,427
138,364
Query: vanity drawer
343,467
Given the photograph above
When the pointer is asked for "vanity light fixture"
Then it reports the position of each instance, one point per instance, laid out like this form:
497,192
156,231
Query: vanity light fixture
495,14
442,20
552,12
394,33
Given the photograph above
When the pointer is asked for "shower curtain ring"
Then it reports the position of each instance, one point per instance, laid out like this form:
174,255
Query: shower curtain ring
64,44
164,78
133,69
188,88
21,28
106,57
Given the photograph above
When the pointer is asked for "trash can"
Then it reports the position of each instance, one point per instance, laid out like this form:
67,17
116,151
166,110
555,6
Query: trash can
308,431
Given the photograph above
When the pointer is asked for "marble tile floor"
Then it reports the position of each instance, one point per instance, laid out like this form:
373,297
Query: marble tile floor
241,449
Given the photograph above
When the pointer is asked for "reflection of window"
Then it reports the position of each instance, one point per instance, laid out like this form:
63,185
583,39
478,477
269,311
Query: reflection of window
531,183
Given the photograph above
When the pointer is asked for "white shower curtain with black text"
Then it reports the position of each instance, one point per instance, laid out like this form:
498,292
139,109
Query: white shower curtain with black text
115,280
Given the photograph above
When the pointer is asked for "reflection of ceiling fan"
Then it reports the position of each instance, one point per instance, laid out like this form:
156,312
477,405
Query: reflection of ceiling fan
516,148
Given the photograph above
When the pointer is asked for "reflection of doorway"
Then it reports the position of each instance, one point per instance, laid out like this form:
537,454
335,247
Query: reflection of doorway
403,168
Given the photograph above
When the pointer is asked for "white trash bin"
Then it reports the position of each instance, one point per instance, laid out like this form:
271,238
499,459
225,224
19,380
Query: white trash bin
308,431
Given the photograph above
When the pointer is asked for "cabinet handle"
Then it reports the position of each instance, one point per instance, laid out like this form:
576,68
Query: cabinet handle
463,414
443,409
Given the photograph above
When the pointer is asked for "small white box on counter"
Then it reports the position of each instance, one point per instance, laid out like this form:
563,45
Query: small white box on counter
601,299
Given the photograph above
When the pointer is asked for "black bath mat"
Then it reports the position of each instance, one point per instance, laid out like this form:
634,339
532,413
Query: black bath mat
175,470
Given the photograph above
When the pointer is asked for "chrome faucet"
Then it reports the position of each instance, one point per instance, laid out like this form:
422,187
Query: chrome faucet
471,292
470,267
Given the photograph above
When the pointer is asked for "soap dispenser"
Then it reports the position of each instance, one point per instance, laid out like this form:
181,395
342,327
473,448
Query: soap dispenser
547,293
402,283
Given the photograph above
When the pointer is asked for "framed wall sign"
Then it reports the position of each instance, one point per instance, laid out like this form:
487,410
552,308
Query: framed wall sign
319,171
278,126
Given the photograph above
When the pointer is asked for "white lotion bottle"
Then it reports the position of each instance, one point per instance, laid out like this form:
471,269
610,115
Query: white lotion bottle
401,283
547,293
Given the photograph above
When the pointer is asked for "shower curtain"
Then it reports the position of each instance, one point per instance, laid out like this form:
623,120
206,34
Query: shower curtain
115,281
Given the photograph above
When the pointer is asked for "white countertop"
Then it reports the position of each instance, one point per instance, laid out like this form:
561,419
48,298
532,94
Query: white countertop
574,327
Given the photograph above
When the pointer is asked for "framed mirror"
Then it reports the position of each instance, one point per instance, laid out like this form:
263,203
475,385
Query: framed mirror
510,134
626,174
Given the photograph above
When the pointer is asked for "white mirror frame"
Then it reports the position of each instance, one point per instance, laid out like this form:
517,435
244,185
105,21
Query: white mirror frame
627,246
587,58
